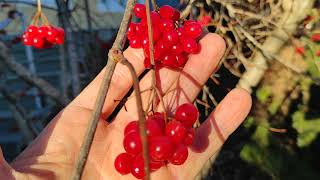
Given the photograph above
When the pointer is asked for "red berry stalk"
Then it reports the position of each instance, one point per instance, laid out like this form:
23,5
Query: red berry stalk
42,35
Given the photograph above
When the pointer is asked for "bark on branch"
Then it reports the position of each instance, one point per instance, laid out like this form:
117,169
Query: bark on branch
7,59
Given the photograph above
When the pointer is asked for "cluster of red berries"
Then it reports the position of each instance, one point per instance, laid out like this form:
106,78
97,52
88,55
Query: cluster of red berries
173,41
168,143
43,36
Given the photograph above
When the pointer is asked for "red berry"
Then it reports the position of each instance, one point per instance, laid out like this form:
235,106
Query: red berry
180,155
176,49
131,30
145,42
176,15
159,118
181,59
315,37
43,30
27,40
190,46
123,163
167,12
147,63
137,169
140,29
169,61
139,10
189,137
135,42
318,53
131,127
60,36
32,30
166,25
132,143
176,131
193,30
155,165
161,148
187,114
300,50
38,42
51,35
170,37
153,128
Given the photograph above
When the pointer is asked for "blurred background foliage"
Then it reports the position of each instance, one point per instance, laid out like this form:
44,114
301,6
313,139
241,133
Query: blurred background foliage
273,51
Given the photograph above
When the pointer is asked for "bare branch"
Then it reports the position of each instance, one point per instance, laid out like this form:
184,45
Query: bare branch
23,73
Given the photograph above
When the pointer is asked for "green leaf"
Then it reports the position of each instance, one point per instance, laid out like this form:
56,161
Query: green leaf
263,94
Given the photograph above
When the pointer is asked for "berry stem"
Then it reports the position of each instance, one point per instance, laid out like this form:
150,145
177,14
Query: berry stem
142,118
154,5
39,6
118,45
151,47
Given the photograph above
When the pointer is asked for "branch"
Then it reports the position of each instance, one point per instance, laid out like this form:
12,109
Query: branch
27,3
23,73
104,88
142,118
18,113
274,43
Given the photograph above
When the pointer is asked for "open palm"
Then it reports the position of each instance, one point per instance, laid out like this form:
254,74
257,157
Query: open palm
52,155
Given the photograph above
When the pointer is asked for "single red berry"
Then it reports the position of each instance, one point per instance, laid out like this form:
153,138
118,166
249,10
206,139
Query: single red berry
318,53
153,128
205,20
189,137
155,20
187,114
140,29
123,163
60,36
159,118
181,59
139,10
193,30
135,42
166,25
180,155
300,50
169,61
131,30
161,148
43,30
32,30
145,41
51,35
190,46
137,168
176,131
27,40
176,49
38,42
315,37
170,37
167,12
155,165
132,143
176,15
131,127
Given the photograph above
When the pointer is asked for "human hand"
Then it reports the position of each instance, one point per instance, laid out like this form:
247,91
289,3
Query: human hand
52,155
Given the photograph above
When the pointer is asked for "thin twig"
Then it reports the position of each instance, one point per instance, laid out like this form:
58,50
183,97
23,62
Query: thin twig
142,118
104,88
154,5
